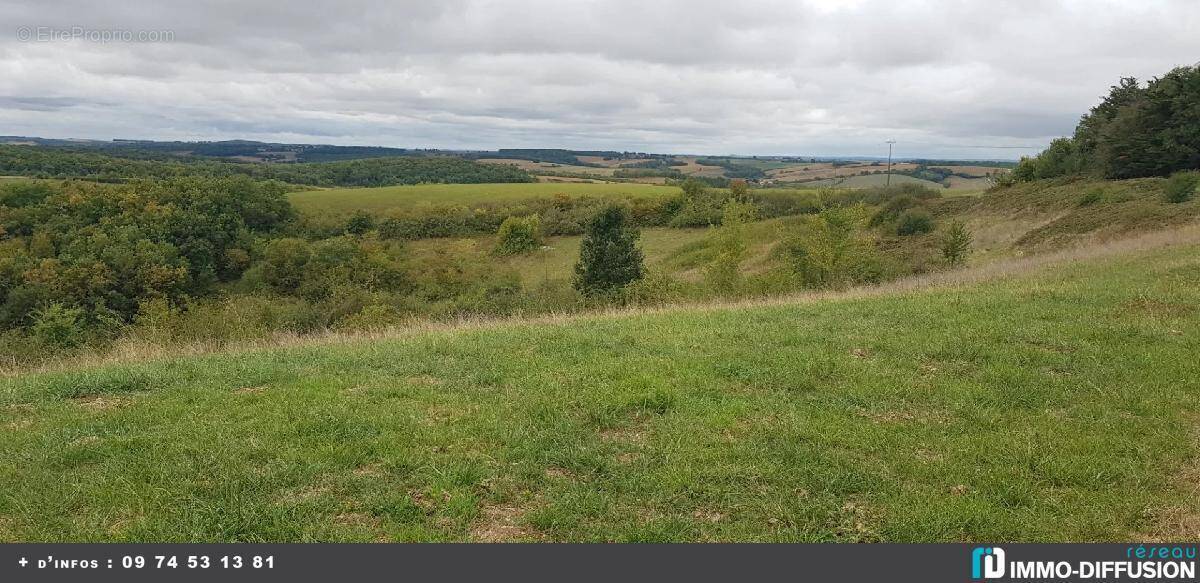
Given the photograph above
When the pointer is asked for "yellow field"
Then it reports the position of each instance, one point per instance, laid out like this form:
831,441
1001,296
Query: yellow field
347,200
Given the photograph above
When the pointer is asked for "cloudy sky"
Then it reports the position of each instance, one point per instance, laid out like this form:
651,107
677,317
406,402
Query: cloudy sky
826,77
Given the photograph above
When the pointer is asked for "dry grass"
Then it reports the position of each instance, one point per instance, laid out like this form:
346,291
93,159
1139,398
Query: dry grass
134,351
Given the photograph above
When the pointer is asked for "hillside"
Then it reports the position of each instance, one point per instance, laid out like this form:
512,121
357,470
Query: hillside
1034,399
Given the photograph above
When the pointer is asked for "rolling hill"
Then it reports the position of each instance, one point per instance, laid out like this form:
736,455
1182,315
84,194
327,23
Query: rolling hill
1039,398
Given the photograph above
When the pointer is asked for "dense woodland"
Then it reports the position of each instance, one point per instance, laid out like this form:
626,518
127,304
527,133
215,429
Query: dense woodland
1136,131
41,162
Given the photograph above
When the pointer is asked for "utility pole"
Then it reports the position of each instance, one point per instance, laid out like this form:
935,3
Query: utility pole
889,170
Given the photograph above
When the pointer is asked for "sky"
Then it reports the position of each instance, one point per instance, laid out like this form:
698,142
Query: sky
953,79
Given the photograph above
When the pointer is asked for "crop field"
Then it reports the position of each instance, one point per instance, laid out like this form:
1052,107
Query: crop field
1038,399
826,170
692,168
347,200
536,167
871,180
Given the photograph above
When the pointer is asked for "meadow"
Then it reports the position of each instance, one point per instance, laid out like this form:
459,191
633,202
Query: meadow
348,200
1043,398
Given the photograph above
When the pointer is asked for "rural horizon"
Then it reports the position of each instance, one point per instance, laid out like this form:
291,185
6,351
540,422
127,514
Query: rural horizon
1020,150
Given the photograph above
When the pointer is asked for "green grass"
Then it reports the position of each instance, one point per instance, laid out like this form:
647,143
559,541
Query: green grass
870,181
1055,404
347,200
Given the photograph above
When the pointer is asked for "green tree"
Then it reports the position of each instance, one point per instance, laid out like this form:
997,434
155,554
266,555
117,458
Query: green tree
609,257
59,326
830,250
284,263
1181,187
518,235
956,243
729,240
914,222
360,223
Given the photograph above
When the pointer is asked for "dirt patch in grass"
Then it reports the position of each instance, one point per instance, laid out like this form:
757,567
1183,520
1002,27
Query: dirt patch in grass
100,403
86,441
250,390
1181,522
634,435
498,523
1156,308
903,416
856,522
358,520
304,494
369,471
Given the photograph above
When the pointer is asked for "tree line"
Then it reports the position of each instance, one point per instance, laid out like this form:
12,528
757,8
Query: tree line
40,162
1136,131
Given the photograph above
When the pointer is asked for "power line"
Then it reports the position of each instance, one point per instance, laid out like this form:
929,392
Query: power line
890,143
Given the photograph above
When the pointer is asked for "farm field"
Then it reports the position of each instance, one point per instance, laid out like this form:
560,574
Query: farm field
871,180
826,170
347,200
1037,399
693,168
536,167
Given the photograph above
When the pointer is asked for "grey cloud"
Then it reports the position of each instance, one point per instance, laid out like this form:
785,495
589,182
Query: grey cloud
756,77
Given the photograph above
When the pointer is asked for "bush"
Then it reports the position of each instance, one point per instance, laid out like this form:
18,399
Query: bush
360,223
1091,197
829,250
609,258
58,326
914,222
892,209
956,243
519,235
1181,187
284,263
724,274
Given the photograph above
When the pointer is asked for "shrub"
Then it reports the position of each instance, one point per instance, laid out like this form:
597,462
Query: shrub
829,250
723,274
956,243
519,235
892,209
1181,187
284,263
914,222
609,258
1091,197
360,223
58,326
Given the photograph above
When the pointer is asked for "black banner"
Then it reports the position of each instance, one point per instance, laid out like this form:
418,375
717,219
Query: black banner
577,562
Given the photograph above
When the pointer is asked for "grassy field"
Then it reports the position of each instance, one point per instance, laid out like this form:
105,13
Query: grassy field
678,252
1034,399
348,200
872,180
535,167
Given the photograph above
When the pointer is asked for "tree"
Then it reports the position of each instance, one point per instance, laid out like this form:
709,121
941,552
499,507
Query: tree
956,243
723,273
519,235
284,263
914,222
360,222
738,190
609,258
830,250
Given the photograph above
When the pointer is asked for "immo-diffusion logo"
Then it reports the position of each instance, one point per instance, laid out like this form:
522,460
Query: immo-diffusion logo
987,562
1137,562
